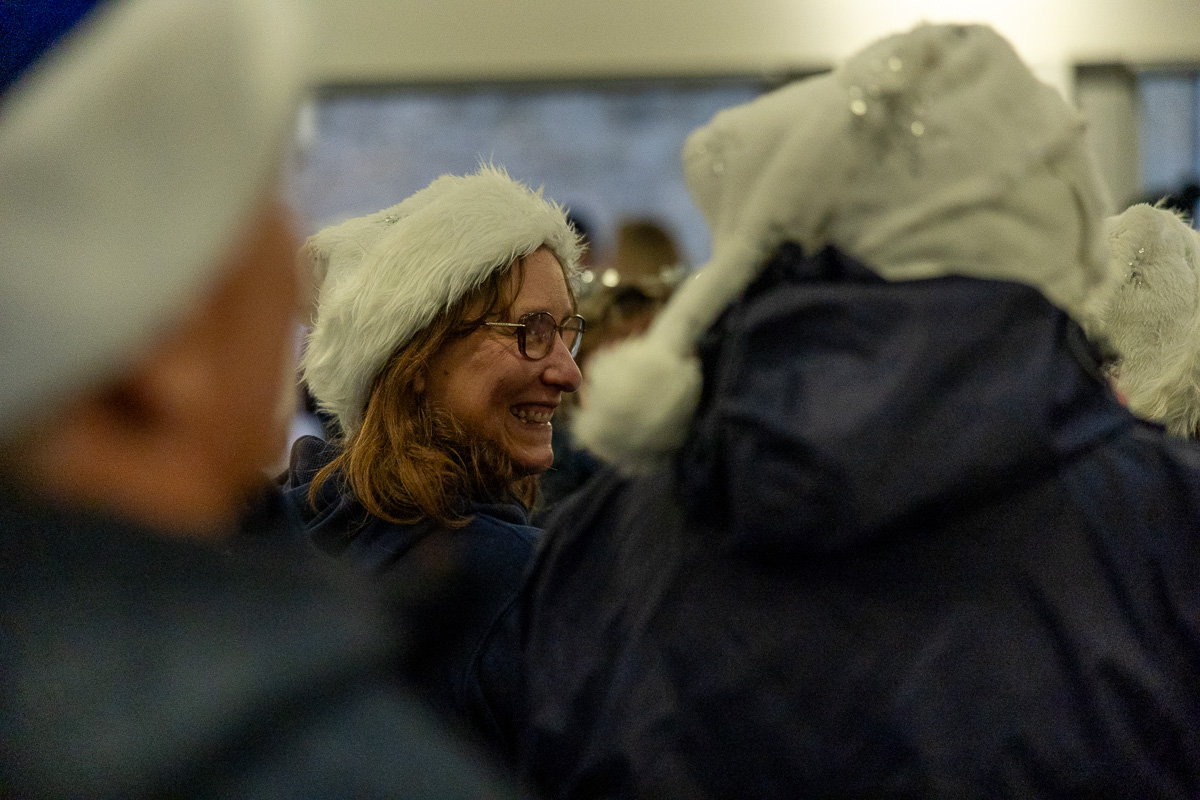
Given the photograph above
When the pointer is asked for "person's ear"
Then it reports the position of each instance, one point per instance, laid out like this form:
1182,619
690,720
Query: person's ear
132,448
171,390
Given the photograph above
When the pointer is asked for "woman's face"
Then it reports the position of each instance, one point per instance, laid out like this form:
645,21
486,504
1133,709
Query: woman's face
494,391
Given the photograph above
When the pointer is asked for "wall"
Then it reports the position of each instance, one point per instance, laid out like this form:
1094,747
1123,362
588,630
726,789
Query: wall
1169,129
446,40
364,42
610,154
1108,97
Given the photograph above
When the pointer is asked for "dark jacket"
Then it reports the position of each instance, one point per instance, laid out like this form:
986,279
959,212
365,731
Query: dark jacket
913,547
137,663
458,589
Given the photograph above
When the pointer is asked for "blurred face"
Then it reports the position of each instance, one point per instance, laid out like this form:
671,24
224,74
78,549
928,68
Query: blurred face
495,392
177,440
255,314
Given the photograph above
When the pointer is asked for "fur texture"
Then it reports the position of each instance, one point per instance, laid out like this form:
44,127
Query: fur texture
930,153
645,426
387,275
1152,317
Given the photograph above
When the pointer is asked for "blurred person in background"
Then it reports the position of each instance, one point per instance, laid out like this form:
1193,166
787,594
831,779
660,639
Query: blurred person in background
880,527
1152,316
644,270
623,301
645,250
149,291
443,343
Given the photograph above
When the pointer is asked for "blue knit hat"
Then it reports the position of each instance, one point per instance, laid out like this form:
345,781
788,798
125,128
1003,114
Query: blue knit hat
29,29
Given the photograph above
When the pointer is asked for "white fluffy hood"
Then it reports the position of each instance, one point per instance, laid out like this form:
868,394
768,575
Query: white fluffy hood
931,153
1152,317
387,275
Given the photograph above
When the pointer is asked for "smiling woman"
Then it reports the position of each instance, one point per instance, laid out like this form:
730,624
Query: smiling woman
438,348
507,394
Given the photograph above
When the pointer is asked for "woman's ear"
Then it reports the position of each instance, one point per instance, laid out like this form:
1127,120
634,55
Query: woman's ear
419,381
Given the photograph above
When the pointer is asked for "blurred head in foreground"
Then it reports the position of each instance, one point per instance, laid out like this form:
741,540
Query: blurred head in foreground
1152,316
147,271
147,295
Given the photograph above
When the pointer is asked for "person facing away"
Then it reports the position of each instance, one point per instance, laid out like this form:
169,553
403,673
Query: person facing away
1152,316
149,293
879,526
443,342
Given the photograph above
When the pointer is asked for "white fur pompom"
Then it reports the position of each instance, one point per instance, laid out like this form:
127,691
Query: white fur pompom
638,403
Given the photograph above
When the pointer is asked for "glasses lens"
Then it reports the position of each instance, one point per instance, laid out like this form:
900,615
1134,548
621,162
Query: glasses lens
572,333
539,334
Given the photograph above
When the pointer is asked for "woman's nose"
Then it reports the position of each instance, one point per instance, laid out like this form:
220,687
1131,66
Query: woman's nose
560,369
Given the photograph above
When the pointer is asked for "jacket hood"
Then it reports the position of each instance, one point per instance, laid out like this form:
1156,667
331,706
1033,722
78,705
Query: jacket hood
837,405
337,523
333,519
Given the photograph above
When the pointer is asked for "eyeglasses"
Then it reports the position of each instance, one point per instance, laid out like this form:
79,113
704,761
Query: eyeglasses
535,333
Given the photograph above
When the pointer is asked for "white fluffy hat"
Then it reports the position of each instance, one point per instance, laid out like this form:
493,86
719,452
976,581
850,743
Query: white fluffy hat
930,153
131,152
1152,317
387,275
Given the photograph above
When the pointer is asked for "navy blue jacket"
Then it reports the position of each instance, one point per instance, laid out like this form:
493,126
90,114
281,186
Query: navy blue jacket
456,590
912,547
141,663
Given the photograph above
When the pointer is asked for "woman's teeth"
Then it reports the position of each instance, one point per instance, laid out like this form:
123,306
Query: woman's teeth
532,416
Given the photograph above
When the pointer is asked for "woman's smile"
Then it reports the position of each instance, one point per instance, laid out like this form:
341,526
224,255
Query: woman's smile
497,393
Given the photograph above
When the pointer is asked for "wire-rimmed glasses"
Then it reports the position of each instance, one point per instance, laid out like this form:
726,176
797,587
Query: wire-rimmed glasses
535,333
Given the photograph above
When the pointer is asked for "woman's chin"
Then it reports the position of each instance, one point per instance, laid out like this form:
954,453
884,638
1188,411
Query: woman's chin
528,445
529,463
